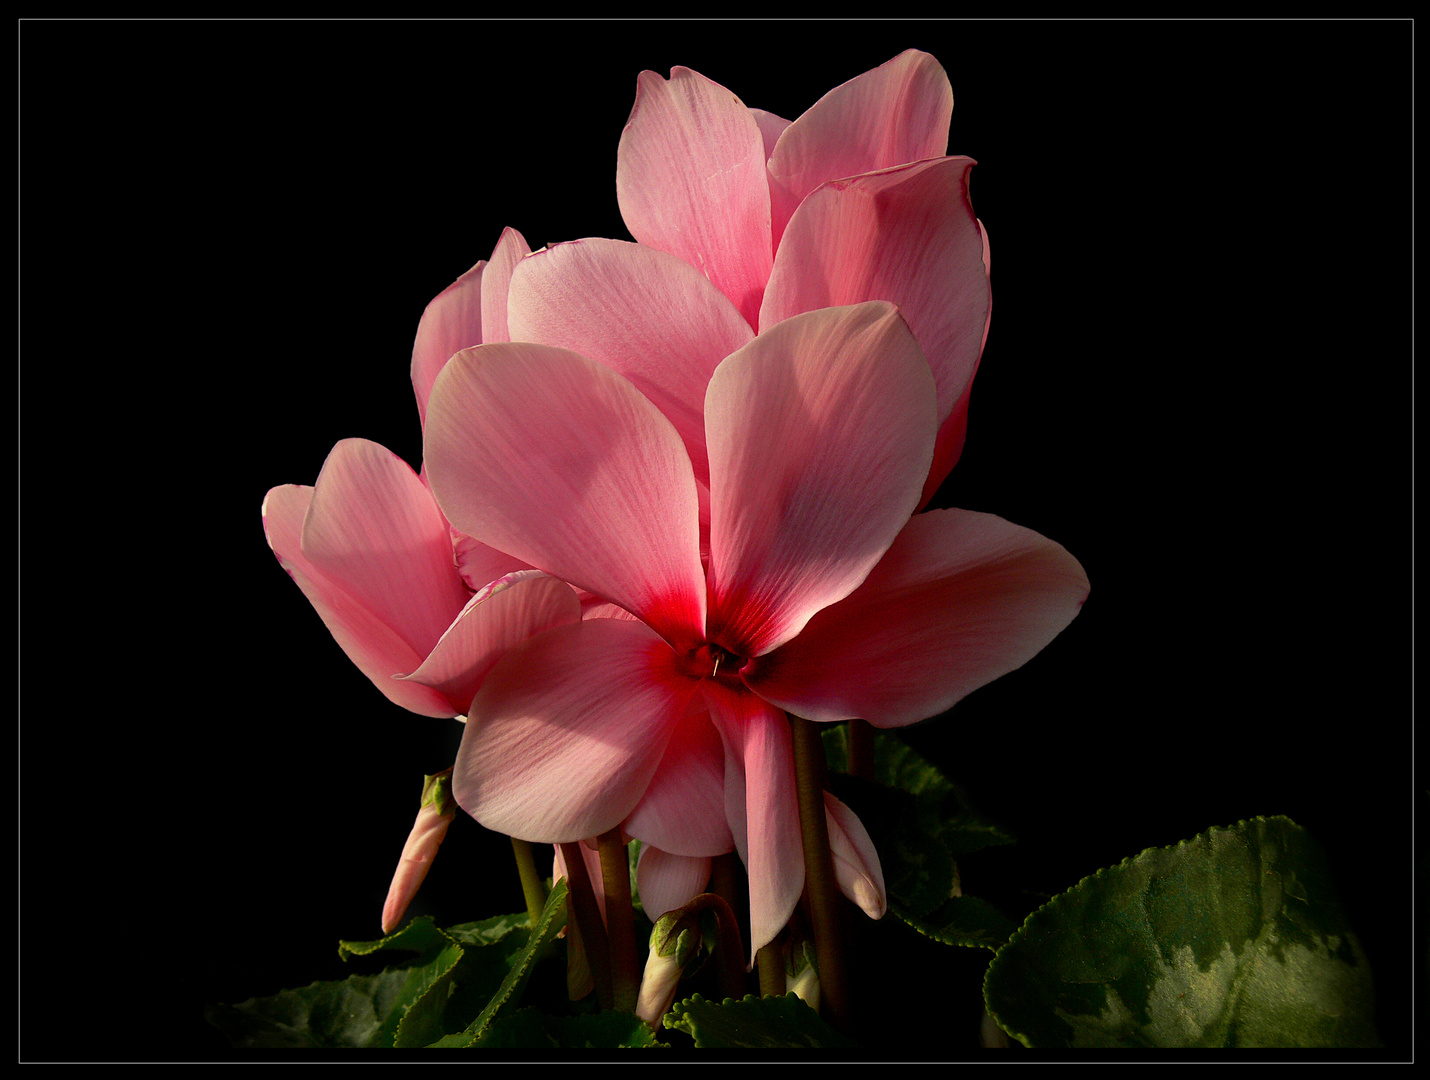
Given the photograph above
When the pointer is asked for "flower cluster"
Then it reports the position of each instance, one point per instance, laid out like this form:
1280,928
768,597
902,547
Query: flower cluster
675,489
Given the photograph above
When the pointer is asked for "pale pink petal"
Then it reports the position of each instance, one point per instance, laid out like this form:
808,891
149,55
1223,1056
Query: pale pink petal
373,646
771,128
566,732
563,464
511,249
373,527
683,810
691,180
452,321
646,314
856,863
480,565
506,612
906,235
820,435
896,113
761,805
960,599
667,882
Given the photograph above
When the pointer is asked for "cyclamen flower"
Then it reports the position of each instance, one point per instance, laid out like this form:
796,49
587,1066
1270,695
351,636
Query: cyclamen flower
854,200
821,596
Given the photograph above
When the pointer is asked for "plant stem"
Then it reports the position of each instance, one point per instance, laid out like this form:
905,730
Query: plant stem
821,887
588,921
620,921
729,944
771,962
532,887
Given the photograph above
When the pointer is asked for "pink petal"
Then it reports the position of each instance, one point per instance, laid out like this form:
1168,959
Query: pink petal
480,565
691,180
566,732
507,612
771,128
761,805
820,434
562,463
896,113
906,235
856,863
953,432
667,882
960,599
372,527
648,315
452,321
511,249
591,858
683,809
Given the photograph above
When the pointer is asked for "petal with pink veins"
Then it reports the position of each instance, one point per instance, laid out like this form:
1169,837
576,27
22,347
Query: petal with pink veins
896,113
378,651
562,463
820,434
646,314
667,882
760,803
856,863
907,235
691,181
451,322
511,249
960,599
683,810
506,612
567,730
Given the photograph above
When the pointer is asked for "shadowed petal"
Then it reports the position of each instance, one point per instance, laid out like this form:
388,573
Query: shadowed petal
760,803
820,434
960,599
378,651
562,463
451,322
896,113
683,810
856,863
567,730
667,881
691,180
506,612
511,249
646,314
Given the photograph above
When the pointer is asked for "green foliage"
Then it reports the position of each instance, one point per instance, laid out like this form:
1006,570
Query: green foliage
1233,938
754,1023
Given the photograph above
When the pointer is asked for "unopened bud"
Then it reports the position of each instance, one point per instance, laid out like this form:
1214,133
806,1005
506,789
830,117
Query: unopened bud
436,813
802,974
672,944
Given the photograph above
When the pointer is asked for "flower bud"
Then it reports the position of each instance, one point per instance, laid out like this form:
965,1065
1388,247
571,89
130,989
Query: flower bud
436,813
672,944
802,974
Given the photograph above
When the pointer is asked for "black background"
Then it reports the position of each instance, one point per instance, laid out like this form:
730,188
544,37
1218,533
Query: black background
1199,380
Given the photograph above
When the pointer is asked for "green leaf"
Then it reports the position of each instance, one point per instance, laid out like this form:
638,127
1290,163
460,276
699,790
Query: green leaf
553,918
754,1023
1233,938
344,1013
962,920
531,1029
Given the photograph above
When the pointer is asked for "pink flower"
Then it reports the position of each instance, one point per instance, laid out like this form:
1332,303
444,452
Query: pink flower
820,595
433,818
855,200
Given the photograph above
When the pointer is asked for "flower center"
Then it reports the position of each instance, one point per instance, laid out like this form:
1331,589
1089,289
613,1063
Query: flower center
712,662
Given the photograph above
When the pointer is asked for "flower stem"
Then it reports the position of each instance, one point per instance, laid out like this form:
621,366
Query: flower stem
821,887
771,962
729,943
620,921
532,887
588,921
